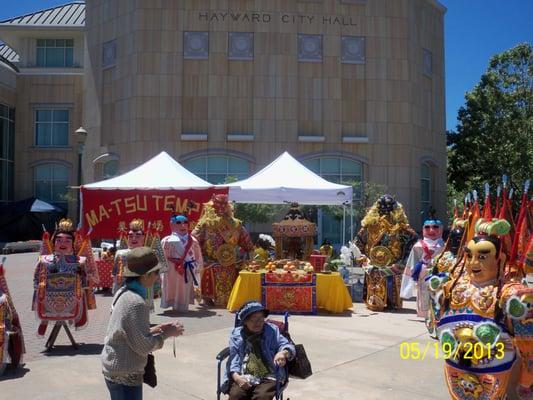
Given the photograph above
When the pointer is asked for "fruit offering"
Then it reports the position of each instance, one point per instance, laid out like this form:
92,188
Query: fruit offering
308,268
253,266
290,266
270,266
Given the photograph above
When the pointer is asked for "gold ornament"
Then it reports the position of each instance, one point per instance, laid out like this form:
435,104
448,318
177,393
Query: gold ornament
226,255
381,256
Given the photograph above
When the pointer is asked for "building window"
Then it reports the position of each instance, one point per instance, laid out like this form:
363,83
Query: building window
109,54
110,169
216,169
196,45
55,53
7,152
353,49
337,170
50,183
310,48
51,128
240,46
427,61
425,190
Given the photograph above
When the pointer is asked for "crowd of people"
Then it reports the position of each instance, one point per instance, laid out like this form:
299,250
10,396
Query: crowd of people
470,290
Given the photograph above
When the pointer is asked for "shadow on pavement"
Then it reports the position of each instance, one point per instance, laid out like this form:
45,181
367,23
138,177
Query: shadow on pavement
67,350
200,313
404,311
14,373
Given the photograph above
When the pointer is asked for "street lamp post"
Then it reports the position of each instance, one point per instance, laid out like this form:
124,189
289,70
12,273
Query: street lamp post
81,137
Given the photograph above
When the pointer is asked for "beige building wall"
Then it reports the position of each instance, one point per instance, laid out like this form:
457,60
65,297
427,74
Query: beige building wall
386,112
37,91
152,95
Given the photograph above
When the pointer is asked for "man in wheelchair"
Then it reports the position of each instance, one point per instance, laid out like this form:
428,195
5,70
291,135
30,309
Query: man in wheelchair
256,350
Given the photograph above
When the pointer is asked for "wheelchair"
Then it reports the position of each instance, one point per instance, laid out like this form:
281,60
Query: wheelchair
280,386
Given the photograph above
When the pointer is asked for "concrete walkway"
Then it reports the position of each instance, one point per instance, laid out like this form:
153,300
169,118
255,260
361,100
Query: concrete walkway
354,355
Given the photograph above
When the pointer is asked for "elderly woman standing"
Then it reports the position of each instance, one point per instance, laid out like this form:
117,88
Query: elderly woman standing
129,337
256,348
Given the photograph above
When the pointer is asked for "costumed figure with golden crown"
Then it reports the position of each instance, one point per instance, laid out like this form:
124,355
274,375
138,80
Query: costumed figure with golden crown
11,338
64,279
184,254
418,264
137,236
224,242
485,320
385,239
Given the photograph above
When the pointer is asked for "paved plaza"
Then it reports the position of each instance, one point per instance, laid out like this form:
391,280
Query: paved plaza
354,355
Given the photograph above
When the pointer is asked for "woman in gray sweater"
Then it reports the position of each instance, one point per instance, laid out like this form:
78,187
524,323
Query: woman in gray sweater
129,338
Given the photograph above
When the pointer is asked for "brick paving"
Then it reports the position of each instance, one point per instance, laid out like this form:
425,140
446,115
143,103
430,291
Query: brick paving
19,275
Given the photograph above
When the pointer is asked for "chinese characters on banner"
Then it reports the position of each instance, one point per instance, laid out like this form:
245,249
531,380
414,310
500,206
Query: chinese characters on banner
105,210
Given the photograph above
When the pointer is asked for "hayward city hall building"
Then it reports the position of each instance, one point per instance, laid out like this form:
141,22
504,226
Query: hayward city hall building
354,89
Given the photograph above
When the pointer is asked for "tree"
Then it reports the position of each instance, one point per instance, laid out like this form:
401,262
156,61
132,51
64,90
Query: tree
495,130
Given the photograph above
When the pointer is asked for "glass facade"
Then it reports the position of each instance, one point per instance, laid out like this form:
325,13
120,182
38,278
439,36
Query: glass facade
7,152
55,53
336,170
50,183
215,169
51,127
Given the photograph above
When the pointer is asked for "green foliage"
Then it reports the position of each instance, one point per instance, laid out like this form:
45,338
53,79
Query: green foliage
495,130
370,193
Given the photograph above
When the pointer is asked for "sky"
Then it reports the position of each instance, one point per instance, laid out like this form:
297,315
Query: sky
475,30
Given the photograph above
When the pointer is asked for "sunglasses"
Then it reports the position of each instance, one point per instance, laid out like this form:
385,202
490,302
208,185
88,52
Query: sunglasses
431,226
180,222
135,234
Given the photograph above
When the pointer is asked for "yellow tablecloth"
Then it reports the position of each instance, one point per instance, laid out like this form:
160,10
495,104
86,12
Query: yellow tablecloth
331,292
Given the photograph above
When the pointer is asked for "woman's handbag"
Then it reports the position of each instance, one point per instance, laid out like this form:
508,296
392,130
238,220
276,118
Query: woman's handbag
149,376
299,366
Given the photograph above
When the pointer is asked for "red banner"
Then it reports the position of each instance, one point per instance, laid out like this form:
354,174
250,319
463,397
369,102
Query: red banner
105,210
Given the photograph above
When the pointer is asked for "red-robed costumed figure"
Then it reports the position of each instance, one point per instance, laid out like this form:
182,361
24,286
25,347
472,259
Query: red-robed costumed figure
64,278
11,339
223,240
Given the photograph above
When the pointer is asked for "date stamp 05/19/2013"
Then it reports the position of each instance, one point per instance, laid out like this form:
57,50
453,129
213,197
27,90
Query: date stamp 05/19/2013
469,351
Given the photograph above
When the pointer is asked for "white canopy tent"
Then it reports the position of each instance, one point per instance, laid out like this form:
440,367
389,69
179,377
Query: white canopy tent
160,172
286,180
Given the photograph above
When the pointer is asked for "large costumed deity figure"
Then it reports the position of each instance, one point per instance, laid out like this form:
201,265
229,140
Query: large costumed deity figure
63,281
385,240
418,264
184,254
221,237
485,319
135,237
11,339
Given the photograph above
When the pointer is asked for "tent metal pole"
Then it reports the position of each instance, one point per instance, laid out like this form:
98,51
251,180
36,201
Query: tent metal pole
343,224
351,220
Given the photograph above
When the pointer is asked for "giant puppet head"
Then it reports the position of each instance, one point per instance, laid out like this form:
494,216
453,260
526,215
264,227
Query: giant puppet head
386,204
432,229
221,205
483,253
456,235
179,224
136,235
385,208
63,238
